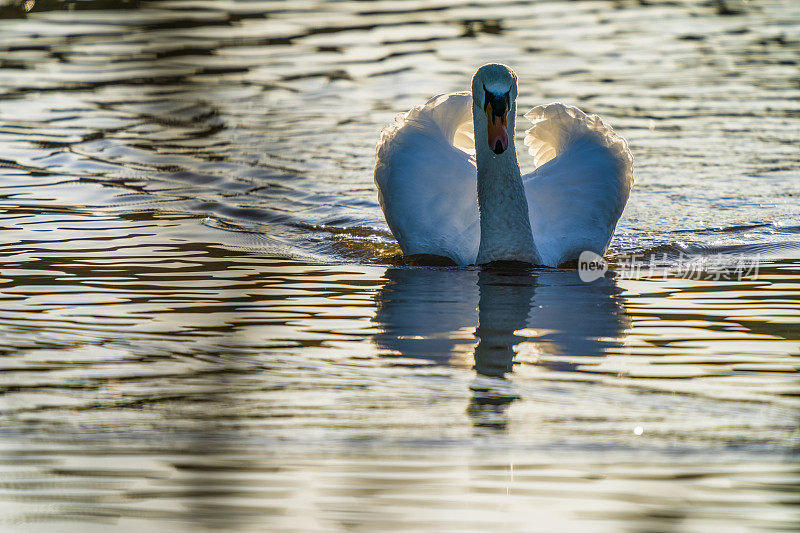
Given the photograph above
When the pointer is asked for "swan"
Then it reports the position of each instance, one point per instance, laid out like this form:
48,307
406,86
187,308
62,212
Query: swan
449,182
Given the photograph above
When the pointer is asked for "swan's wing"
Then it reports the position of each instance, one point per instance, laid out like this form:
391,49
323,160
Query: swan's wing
427,180
582,181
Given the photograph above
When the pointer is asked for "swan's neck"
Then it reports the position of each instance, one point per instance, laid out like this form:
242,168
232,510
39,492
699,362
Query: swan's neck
505,224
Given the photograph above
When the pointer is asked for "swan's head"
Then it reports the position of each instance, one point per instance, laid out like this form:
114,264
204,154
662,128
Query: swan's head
494,95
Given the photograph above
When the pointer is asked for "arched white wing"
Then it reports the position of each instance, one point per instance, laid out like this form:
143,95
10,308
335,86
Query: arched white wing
427,180
582,181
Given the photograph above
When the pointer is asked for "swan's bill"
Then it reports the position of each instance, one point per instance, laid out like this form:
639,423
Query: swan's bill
496,108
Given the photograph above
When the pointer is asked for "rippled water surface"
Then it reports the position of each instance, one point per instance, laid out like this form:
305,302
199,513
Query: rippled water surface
205,324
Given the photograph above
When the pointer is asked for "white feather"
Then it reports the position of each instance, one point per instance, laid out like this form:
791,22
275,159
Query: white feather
427,180
581,184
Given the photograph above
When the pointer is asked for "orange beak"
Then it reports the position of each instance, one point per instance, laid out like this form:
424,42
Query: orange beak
498,132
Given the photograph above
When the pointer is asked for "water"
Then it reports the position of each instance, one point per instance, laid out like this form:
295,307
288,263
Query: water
205,324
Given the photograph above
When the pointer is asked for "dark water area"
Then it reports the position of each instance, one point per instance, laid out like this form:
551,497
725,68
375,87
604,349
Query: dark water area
205,325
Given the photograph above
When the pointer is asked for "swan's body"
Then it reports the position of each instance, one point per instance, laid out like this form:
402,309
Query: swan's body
445,194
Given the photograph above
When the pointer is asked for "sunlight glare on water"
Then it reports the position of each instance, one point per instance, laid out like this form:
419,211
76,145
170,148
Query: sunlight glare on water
205,324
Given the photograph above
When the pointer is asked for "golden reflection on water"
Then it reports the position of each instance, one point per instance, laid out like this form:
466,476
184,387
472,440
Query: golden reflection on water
150,379
239,390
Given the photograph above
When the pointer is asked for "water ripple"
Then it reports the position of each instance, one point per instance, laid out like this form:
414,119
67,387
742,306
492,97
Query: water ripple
206,323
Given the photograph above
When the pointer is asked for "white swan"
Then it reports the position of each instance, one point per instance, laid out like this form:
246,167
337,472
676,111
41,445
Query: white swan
446,193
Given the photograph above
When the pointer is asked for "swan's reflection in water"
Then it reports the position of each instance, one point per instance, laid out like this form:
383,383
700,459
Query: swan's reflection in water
428,313
438,314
